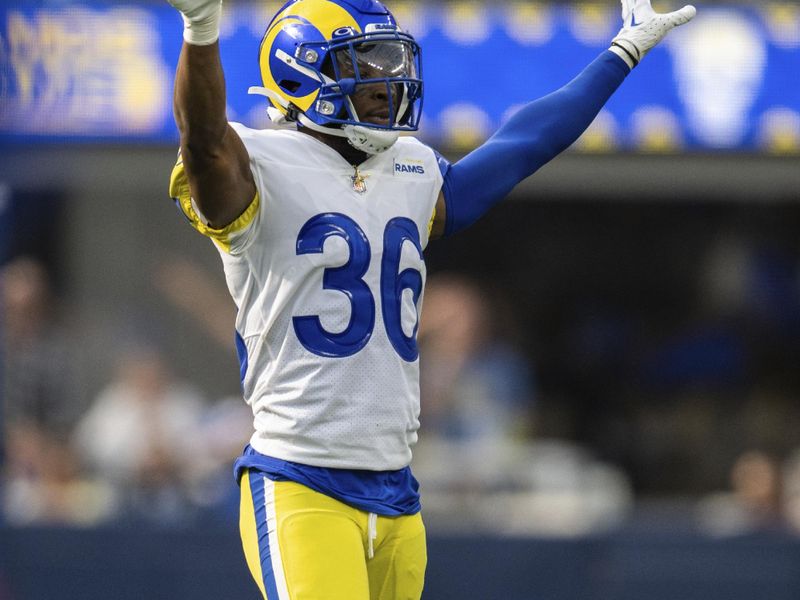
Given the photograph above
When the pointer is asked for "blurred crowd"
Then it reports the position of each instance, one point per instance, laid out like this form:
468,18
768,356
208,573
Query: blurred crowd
151,447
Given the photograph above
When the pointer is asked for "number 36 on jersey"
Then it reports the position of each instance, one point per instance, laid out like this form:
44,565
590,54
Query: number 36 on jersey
349,279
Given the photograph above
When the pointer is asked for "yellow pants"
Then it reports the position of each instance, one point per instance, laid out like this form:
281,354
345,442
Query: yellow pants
303,545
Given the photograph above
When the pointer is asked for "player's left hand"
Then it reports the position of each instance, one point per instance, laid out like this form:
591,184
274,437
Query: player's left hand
643,28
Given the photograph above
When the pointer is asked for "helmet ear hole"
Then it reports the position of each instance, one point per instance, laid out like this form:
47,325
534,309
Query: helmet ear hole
289,85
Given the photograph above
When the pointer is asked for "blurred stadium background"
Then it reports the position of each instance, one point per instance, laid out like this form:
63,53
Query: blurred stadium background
611,392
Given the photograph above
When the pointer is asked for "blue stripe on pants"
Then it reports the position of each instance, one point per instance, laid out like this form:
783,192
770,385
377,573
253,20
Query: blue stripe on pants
257,485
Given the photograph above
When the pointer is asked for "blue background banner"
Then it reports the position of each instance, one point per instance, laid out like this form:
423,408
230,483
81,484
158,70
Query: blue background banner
731,81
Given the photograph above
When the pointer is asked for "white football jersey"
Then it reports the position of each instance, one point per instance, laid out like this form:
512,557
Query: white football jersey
327,272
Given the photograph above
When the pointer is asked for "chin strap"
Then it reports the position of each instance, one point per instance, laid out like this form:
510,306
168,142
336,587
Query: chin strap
369,140
366,139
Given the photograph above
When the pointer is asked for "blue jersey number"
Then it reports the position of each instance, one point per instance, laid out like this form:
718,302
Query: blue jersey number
393,283
349,279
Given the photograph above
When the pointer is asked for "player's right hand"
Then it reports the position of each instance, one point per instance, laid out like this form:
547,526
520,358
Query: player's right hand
200,20
643,28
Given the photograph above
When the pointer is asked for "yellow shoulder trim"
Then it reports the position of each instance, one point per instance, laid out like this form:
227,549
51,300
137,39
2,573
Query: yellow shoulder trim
179,191
430,223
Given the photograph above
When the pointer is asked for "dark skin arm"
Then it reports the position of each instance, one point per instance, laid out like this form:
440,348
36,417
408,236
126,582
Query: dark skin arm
214,157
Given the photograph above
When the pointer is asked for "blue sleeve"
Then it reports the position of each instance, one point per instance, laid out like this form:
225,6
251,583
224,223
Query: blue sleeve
537,133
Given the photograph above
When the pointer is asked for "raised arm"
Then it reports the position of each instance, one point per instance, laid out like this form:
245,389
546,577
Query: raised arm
214,157
544,128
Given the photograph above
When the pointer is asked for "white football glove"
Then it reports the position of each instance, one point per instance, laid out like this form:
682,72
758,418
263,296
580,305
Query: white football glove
643,28
200,20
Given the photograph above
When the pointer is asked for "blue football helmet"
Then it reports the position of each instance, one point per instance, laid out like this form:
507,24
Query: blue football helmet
317,55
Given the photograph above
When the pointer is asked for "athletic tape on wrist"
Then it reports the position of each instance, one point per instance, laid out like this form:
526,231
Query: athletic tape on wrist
203,32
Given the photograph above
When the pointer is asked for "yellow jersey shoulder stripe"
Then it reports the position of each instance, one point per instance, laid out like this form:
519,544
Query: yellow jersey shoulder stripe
180,192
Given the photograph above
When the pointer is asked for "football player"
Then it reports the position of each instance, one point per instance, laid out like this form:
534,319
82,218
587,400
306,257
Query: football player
321,224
